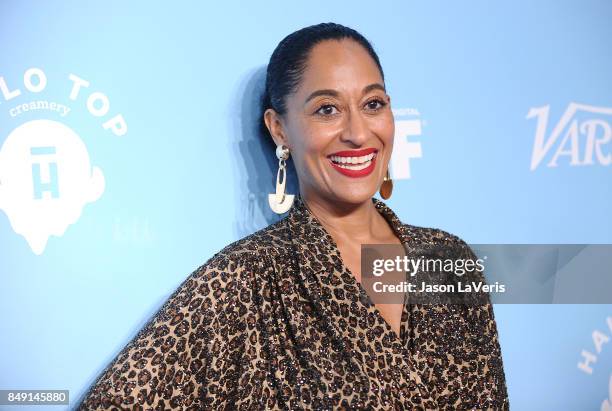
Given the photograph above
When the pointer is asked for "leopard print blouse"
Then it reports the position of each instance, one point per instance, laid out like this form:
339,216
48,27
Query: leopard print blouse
276,321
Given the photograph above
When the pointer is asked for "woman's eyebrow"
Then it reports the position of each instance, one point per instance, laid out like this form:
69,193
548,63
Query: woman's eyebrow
334,93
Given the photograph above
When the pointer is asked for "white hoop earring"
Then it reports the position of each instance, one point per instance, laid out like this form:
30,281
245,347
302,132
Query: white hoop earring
279,201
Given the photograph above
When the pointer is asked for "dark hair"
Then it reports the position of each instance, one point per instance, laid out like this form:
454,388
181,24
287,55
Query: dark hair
288,62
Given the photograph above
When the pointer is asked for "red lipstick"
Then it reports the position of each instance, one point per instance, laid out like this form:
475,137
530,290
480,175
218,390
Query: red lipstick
354,163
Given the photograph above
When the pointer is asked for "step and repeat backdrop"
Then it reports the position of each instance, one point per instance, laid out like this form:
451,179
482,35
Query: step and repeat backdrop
129,155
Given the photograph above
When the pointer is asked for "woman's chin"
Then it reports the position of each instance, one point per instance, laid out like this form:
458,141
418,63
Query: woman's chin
355,197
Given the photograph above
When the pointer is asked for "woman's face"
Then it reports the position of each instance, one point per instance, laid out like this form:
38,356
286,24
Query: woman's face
338,126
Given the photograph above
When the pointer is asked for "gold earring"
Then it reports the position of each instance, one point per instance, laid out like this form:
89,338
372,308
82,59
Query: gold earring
279,201
386,188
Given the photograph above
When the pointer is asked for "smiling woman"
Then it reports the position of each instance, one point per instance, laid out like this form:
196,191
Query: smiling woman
279,319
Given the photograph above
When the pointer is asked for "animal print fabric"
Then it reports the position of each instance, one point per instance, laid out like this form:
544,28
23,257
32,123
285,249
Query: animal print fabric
276,321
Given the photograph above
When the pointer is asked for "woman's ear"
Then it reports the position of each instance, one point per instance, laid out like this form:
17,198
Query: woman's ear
276,128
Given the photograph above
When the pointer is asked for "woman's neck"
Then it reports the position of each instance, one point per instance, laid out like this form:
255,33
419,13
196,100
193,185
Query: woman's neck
359,223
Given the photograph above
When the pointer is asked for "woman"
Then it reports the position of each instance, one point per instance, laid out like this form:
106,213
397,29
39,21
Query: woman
278,319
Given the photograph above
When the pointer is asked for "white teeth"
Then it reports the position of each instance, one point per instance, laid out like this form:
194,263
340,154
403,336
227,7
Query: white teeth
353,160
355,166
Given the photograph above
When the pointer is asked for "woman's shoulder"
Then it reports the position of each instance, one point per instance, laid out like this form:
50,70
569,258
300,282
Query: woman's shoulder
431,235
263,242
435,237
248,252
230,275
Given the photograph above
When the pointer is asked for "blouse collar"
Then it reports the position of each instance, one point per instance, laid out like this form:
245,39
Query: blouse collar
310,231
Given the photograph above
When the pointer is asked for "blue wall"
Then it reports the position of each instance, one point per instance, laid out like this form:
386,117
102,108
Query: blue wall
141,210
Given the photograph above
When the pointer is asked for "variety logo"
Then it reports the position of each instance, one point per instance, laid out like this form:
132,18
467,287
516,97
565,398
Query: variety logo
46,176
404,149
582,136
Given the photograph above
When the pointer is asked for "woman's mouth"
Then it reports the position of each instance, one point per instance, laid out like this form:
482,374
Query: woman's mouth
358,163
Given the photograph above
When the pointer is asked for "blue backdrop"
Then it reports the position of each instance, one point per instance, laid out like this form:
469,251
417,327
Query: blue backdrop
134,125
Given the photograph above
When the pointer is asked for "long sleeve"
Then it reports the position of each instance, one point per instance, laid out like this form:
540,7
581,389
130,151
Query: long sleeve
166,365
465,356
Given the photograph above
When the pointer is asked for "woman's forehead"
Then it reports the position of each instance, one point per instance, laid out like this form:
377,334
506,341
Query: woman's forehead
341,65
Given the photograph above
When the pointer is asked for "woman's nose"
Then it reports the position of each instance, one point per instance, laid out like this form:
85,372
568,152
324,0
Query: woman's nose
356,130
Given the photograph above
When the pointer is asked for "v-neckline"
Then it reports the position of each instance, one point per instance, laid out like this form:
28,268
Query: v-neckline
393,221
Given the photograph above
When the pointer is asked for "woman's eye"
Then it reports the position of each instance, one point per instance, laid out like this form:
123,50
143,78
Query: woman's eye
373,105
326,109
376,104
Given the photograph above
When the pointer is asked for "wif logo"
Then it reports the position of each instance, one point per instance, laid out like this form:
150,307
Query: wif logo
404,149
582,136
46,175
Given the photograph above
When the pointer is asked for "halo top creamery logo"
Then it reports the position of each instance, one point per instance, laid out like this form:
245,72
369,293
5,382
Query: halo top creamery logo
46,176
